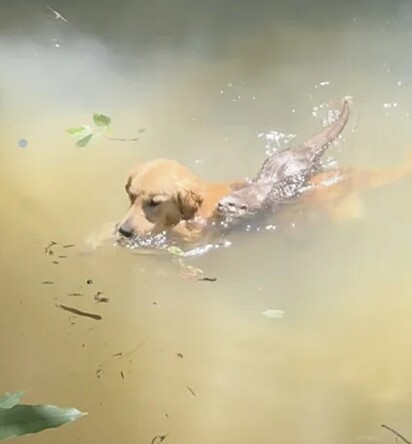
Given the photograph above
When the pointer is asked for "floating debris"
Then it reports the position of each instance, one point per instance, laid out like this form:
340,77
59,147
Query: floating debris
207,279
101,299
69,246
78,312
123,139
89,282
397,434
48,249
117,355
176,251
57,15
274,314
192,392
159,438
47,283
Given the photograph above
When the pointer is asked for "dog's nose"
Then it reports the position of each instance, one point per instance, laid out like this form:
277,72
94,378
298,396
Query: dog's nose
125,230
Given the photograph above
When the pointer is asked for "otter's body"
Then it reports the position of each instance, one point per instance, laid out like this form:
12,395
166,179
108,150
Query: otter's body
281,177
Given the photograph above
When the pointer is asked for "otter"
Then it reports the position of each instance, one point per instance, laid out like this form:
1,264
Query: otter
283,176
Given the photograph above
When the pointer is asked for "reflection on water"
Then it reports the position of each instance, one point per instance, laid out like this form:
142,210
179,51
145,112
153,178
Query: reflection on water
200,361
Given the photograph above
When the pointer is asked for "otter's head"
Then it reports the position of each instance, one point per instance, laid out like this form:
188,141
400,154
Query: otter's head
243,203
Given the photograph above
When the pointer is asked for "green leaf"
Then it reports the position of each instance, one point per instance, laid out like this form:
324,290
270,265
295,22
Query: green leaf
9,400
25,419
101,119
75,131
82,142
81,132
274,314
175,250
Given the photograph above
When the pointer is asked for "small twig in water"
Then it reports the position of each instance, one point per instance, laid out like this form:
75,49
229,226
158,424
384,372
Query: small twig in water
57,15
398,435
159,438
207,279
48,249
75,311
191,391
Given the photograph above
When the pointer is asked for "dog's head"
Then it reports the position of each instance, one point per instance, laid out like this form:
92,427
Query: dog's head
162,193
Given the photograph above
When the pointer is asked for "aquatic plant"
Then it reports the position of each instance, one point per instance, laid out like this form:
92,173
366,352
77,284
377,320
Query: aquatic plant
85,133
18,419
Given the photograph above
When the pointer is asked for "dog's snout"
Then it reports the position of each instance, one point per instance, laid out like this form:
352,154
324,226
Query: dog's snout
125,230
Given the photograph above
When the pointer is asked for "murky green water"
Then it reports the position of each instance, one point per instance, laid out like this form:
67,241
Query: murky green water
204,79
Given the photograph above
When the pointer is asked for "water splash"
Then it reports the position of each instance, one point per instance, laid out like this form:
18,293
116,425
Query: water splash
276,141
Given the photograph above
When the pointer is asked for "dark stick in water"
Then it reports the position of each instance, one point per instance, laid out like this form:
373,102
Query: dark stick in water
398,435
78,312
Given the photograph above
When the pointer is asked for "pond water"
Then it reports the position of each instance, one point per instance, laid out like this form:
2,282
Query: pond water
200,361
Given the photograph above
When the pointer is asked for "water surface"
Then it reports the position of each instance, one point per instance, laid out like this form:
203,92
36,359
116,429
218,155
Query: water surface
204,79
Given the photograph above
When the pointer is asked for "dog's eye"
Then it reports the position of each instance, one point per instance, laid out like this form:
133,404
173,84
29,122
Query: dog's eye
153,203
132,197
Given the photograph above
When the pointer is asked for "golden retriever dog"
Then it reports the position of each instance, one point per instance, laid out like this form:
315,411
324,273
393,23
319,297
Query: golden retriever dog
165,196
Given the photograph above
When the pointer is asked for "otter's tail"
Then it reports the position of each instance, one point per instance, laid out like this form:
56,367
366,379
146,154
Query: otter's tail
316,146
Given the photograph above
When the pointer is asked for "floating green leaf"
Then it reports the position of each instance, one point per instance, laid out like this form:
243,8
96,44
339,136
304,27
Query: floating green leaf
76,131
9,400
24,419
82,134
82,142
274,314
175,251
101,119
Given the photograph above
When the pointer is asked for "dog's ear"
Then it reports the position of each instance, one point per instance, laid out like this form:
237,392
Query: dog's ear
189,202
128,183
